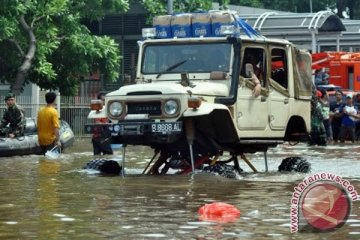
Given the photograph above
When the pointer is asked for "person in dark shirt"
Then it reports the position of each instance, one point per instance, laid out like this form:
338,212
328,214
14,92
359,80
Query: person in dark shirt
12,123
336,115
348,120
356,101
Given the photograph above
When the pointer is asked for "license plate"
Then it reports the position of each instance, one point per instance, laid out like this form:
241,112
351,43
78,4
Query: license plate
166,127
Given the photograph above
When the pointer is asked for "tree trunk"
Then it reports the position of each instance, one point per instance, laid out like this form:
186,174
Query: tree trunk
25,66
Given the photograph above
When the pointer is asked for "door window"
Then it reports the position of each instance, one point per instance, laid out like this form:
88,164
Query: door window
255,57
279,67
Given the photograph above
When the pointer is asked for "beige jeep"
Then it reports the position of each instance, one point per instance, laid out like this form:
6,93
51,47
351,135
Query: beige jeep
194,99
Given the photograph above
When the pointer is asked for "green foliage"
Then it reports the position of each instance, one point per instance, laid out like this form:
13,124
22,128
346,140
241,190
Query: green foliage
155,7
248,3
65,49
299,6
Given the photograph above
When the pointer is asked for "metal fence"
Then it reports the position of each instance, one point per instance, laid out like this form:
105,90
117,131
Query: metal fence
73,110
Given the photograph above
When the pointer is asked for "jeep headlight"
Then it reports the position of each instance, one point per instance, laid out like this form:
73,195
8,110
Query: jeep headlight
115,109
171,107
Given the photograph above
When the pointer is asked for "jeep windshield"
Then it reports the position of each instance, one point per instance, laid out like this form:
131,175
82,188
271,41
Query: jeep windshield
186,57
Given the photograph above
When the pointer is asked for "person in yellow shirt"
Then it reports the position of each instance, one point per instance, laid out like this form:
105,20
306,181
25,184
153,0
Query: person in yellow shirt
48,124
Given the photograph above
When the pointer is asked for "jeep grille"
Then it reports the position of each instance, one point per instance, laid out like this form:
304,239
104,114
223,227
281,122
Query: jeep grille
151,108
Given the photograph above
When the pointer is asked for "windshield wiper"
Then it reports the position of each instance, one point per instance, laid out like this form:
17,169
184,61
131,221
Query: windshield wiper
171,68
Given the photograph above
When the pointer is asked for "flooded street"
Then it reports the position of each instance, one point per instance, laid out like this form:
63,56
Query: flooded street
56,199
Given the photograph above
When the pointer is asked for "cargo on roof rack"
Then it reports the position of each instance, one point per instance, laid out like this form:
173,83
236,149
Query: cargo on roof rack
204,24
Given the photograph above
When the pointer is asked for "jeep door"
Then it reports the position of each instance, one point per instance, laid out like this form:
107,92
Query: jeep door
251,112
279,95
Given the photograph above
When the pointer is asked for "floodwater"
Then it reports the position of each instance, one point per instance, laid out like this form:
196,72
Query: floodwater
56,199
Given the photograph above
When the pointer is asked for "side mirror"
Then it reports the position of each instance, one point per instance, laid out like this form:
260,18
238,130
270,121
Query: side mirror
248,70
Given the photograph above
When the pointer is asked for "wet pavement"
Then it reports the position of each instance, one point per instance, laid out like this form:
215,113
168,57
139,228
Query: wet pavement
57,199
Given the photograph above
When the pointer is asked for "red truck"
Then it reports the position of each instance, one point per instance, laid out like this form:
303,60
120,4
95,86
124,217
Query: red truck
343,68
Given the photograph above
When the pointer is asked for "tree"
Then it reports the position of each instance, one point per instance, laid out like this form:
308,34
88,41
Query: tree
287,5
248,3
159,7
44,42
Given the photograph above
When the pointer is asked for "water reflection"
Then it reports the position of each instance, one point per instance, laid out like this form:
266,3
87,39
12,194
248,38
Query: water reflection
48,199
55,199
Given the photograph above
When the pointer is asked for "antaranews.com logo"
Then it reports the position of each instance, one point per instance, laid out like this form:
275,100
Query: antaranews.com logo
321,202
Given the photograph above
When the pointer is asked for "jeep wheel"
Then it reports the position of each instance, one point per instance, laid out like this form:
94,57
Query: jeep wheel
104,166
294,164
221,169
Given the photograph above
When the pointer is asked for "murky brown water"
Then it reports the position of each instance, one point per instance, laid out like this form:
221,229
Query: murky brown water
55,199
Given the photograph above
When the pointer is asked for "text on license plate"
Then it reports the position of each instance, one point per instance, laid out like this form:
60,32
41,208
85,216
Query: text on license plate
166,127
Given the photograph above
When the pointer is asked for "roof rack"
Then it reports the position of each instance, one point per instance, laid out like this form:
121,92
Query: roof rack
202,24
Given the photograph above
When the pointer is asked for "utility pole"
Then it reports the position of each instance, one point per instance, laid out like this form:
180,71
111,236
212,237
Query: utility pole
170,6
311,10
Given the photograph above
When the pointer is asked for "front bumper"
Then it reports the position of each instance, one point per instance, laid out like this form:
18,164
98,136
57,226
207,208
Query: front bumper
140,132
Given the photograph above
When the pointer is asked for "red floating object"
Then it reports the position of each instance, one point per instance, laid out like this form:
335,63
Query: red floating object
218,212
